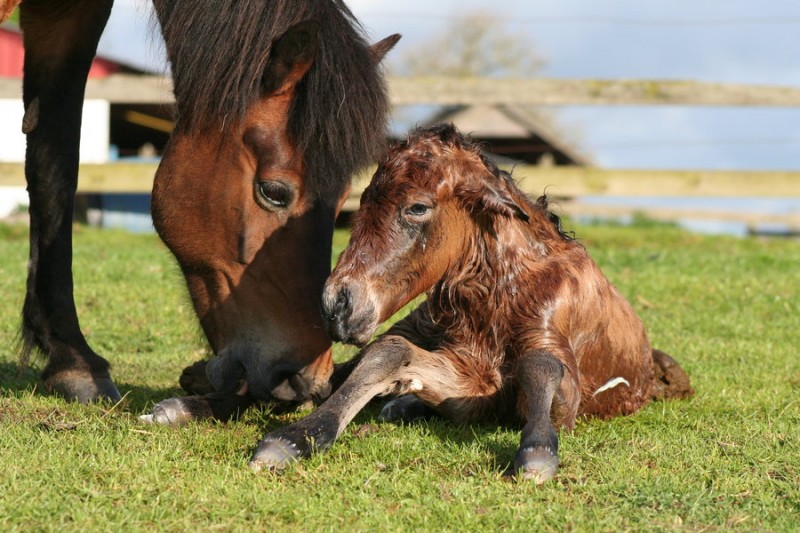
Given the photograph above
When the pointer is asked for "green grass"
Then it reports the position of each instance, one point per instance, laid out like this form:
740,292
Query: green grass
726,459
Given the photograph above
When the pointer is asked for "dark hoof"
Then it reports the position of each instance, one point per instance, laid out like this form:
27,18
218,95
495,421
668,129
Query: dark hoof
170,412
83,388
405,409
194,379
536,464
274,454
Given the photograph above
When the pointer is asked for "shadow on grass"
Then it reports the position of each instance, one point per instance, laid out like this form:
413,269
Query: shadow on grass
138,398
455,435
13,377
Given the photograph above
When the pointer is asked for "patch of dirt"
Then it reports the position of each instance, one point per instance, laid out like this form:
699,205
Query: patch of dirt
672,381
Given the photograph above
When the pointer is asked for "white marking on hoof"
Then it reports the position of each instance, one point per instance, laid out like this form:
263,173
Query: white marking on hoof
147,419
169,412
274,454
537,464
388,414
610,384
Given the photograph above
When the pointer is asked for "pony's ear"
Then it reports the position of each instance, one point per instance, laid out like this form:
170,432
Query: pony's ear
291,57
489,198
382,47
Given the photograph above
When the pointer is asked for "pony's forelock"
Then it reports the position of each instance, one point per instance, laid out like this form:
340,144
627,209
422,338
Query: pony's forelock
219,52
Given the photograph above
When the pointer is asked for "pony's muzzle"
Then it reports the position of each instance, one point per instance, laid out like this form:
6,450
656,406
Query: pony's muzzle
346,318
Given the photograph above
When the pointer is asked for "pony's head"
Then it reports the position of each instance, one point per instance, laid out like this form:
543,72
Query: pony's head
278,103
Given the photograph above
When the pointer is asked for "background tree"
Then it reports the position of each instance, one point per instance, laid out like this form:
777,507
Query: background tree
476,44
479,44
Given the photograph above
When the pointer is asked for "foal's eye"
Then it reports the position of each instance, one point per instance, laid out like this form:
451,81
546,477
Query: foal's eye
417,210
273,194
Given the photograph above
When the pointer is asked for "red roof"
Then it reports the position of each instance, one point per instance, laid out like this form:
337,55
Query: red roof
12,56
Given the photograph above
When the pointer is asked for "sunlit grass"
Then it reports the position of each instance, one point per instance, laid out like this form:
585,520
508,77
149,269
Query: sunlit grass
726,459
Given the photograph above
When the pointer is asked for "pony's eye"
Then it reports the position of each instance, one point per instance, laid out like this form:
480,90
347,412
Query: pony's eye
417,210
273,194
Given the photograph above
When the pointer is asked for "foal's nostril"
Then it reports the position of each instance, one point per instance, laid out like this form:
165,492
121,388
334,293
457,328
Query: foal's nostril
337,313
342,308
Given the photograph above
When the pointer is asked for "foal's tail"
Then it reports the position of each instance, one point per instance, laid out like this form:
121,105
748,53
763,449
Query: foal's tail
672,381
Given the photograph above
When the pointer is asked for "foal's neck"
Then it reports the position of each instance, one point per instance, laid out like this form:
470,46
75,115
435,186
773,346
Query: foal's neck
495,261
470,295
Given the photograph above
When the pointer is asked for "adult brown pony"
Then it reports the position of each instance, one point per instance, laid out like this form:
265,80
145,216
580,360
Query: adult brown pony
277,104
519,323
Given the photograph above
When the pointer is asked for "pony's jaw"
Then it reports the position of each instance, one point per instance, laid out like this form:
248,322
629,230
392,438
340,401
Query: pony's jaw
270,373
263,330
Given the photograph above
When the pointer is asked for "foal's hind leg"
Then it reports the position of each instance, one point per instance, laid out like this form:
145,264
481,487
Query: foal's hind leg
60,41
539,376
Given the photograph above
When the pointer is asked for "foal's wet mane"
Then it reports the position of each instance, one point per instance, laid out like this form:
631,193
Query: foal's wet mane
448,138
219,52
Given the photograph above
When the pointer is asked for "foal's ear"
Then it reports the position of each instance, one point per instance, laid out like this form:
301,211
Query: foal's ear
490,198
291,57
382,47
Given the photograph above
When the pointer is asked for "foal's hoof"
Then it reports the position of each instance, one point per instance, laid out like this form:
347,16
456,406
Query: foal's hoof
536,464
406,408
171,412
83,388
274,454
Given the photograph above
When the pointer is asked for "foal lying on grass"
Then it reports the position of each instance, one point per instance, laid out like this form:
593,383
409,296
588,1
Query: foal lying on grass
519,323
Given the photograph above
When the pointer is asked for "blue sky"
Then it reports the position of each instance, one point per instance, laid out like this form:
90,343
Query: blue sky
756,41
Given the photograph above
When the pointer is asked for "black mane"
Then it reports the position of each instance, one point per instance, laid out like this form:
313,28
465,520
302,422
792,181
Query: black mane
219,51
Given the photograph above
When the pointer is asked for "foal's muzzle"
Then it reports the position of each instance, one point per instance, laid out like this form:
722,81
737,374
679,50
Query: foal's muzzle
343,321
336,311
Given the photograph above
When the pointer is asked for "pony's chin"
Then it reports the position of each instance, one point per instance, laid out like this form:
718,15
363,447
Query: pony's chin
269,376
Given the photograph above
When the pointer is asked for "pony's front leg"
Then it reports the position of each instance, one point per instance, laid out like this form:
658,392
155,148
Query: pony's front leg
379,371
541,381
60,40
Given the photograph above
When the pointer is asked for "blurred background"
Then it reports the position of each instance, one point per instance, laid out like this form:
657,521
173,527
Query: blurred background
718,41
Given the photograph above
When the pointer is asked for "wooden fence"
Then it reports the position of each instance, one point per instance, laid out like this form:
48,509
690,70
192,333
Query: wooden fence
565,182
135,89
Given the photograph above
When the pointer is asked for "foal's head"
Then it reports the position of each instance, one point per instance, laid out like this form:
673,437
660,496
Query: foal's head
426,204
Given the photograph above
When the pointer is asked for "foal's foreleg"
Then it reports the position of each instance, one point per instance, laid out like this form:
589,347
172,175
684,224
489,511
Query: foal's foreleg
379,371
212,406
539,376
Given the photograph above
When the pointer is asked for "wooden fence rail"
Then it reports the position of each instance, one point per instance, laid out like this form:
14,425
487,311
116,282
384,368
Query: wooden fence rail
566,182
135,89
557,181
